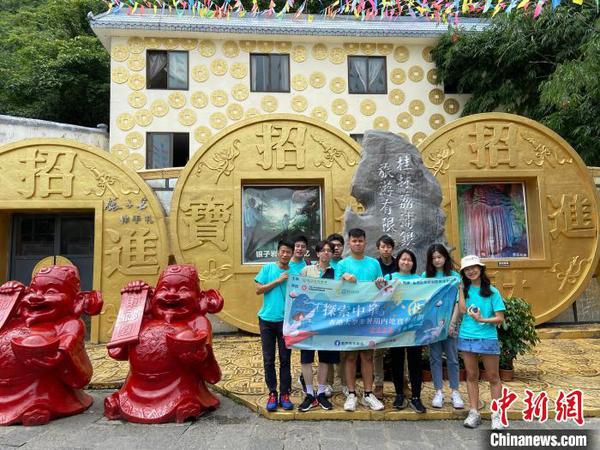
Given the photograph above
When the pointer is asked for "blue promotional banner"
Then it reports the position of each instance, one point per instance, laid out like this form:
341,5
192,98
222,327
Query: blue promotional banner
323,314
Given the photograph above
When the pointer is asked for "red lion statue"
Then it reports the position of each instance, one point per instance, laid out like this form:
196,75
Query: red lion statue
43,362
172,357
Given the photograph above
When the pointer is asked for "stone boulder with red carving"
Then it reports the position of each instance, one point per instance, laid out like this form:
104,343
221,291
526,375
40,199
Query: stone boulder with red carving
171,360
43,362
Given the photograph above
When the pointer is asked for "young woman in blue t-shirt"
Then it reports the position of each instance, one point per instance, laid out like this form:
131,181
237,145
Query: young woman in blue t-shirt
484,310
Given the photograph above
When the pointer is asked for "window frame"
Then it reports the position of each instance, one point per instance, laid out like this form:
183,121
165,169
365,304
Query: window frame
385,75
149,142
269,72
187,71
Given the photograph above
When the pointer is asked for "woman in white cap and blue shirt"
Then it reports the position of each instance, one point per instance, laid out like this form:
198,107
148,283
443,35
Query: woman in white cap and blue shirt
483,311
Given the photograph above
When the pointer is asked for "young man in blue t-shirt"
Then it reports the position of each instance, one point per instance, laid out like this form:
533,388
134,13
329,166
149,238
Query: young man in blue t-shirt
271,281
297,263
359,267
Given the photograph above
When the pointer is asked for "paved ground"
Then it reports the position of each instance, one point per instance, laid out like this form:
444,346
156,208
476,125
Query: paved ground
235,427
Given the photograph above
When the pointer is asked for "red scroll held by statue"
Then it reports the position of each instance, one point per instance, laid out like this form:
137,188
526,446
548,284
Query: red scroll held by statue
8,300
129,320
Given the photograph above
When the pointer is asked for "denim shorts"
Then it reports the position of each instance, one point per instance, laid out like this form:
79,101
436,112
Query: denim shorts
481,346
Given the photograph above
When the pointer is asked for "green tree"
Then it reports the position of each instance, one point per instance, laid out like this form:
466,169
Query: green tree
52,66
545,68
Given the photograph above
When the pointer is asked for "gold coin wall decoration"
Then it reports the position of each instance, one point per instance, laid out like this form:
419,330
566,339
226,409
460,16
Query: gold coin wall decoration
137,99
351,47
235,111
367,48
200,73
415,73
436,96
188,43
136,45
401,54
347,122
451,106
319,51
120,53
426,53
337,55
416,107
265,46
119,75
218,67
240,92
418,137
398,76
368,107
432,76
170,43
381,123
339,106
299,103
120,151
268,103
231,49
251,112
299,82
199,99
248,46
404,120
319,113
202,134
176,100
136,82
136,62
299,53
436,121
134,139
317,79
135,161
159,108
283,46
207,48
217,120
187,117
337,85
151,43
143,117
396,97
125,121
385,49
239,70
219,98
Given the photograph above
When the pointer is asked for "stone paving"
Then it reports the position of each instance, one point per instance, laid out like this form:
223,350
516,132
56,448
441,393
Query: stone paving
236,427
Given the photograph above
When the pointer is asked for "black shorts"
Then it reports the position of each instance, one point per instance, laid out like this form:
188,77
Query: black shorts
325,356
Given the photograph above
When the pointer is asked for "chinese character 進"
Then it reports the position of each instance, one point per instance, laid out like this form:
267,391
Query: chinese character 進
205,220
573,216
494,145
134,252
282,141
48,172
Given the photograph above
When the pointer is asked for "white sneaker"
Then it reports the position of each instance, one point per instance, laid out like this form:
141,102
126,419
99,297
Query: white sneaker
457,401
345,391
350,404
438,399
328,391
497,422
473,420
372,402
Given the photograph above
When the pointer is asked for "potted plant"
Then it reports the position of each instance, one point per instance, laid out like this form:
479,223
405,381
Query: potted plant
517,334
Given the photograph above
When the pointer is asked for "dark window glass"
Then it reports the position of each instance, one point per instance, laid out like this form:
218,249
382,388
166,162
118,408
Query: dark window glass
167,150
167,70
358,138
367,75
77,236
269,73
37,237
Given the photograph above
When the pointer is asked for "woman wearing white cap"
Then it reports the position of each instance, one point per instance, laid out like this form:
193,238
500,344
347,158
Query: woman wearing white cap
478,336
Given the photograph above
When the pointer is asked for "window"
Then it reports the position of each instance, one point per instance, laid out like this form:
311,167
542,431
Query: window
358,138
167,70
367,75
269,73
167,150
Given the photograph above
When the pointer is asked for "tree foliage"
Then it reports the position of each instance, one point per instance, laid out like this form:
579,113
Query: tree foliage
52,66
545,68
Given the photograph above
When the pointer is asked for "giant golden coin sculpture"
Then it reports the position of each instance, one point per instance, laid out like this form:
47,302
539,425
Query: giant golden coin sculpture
560,209
58,175
206,212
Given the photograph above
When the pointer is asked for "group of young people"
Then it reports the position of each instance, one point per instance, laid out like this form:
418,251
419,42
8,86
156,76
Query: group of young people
472,330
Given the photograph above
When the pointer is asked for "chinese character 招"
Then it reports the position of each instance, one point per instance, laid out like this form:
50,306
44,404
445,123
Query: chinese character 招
279,142
48,172
494,145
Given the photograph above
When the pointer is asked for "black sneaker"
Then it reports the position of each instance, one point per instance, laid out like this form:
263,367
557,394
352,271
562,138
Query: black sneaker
324,401
400,402
415,403
302,383
309,402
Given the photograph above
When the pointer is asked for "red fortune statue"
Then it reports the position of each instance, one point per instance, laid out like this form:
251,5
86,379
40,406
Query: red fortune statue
167,338
43,362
